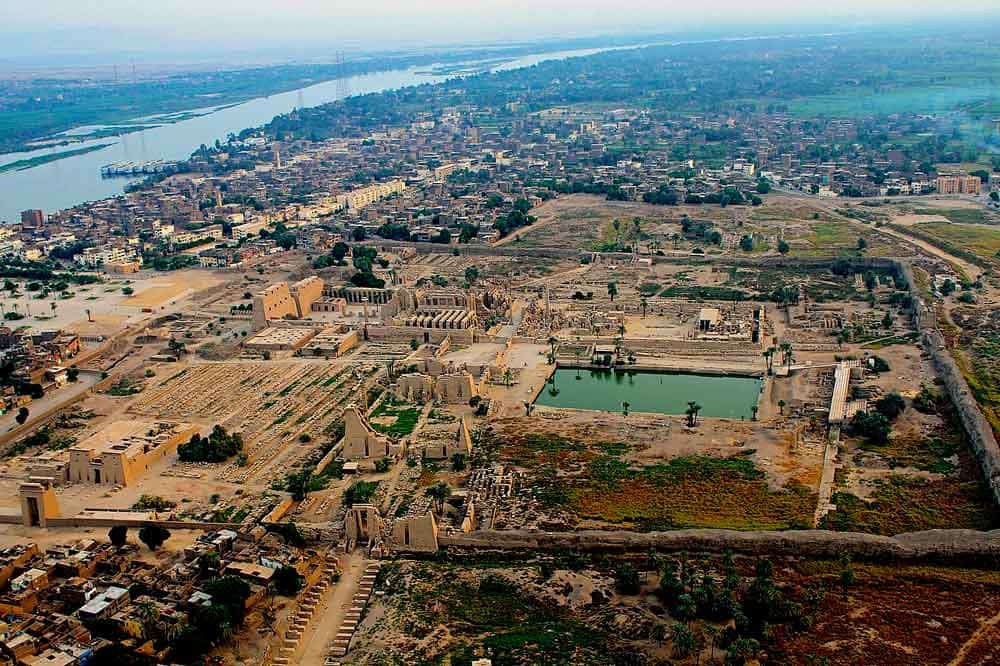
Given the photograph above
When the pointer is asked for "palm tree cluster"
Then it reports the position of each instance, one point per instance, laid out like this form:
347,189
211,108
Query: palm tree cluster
737,616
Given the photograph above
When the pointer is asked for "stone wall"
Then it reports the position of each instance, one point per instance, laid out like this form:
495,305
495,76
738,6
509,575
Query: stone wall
977,427
934,545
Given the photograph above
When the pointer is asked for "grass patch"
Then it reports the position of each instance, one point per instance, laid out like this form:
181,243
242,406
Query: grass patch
404,418
691,491
959,215
489,611
360,492
907,504
929,454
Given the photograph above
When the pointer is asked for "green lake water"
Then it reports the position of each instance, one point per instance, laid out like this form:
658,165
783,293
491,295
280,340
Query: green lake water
726,397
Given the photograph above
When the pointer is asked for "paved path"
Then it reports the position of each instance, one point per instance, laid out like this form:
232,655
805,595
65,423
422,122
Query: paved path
330,611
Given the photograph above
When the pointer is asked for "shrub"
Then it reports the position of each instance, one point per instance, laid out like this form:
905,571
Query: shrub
891,405
873,426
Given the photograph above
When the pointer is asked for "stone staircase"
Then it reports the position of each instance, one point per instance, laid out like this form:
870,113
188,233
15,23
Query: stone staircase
307,607
342,642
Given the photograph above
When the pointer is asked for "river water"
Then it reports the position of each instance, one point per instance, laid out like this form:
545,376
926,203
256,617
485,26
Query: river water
74,180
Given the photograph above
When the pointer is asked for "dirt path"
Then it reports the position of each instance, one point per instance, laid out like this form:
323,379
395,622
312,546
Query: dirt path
330,611
541,223
968,268
974,639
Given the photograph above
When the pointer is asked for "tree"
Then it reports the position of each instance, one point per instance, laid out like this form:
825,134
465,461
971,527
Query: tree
297,484
612,290
786,354
643,303
746,243
783,246
471,275
153,536
890,405
742,650
219,446
781,407
862,245
625,405
846,573
627,579
683,639
753,412
692,413
118,536
871,425
458,462
22,416
769,357
439,492
286,581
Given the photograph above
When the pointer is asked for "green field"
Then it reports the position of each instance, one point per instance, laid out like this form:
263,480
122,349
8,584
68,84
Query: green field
984,242
960,215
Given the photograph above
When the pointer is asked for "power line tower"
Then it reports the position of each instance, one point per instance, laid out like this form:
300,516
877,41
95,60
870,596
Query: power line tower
343,83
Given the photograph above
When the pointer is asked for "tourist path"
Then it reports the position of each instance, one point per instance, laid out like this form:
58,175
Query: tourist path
334,604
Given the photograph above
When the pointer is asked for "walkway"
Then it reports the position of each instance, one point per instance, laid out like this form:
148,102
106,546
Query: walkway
333,606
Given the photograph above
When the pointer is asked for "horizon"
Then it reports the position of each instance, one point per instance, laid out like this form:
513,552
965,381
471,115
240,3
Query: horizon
54,37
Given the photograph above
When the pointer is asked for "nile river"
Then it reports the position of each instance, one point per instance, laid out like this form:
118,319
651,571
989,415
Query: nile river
74,180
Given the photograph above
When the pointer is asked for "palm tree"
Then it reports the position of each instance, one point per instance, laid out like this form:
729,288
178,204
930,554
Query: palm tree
552,348
692,413
787,356
781,407
684,640
659,633
612,290
753,412
769,357
439,492
712,632
148,614
625,406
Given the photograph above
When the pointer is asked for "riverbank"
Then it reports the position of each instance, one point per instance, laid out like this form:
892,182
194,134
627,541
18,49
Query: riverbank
30,163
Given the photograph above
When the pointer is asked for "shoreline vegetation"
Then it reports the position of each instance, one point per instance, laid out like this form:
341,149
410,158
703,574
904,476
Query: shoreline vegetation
21,165
48,111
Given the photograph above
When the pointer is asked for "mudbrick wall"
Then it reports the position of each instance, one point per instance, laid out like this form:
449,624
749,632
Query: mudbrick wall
979,548
978,429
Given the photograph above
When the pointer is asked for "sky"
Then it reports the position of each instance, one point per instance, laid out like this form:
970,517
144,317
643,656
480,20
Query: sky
89,28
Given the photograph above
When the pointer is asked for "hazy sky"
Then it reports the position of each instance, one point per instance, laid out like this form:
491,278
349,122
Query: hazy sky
41,27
